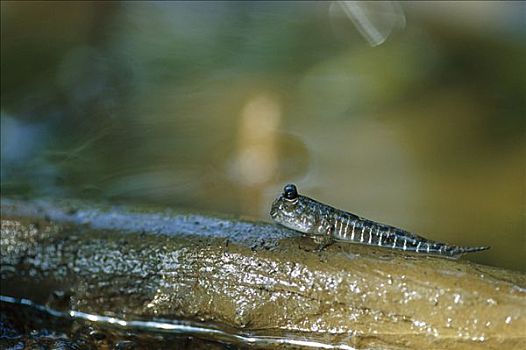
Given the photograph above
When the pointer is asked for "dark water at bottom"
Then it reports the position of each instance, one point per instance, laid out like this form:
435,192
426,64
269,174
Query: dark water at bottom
24,324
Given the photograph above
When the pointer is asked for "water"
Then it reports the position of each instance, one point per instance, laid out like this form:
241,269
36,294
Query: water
167,328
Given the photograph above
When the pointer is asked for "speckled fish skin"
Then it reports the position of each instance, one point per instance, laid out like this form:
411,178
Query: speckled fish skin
317,220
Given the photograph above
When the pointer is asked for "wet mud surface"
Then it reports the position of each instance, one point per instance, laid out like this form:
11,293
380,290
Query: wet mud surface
248,280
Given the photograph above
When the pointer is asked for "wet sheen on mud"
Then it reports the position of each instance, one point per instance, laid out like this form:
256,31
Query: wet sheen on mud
251,281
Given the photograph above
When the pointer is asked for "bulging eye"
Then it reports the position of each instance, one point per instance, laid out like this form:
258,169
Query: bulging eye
290,192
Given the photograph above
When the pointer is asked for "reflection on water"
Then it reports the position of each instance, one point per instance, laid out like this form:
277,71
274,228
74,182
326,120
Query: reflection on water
214,106
185,328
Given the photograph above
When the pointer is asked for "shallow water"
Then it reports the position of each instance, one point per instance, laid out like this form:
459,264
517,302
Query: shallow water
165,328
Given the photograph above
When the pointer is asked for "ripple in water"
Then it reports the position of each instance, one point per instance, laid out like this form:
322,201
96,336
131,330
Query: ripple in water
178,327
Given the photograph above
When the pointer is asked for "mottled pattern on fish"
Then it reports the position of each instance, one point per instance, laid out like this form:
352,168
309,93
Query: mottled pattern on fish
327,224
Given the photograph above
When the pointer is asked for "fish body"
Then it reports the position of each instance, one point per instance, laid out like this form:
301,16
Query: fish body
327,224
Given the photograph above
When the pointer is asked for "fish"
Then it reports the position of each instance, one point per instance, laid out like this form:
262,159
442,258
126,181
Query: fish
327,225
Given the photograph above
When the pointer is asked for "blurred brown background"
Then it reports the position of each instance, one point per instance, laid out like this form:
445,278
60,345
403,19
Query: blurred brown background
215,106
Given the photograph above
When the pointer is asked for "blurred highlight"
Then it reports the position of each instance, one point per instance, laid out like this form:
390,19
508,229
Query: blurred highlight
375,20
257,153
256,161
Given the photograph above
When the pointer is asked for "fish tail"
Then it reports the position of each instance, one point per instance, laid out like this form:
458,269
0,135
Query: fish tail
455,252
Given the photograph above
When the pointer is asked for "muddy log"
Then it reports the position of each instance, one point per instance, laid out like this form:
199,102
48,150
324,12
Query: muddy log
254,279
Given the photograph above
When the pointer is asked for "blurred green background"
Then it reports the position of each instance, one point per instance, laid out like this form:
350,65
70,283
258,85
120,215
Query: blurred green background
214,106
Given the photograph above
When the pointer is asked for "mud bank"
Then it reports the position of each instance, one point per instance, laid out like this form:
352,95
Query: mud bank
252,278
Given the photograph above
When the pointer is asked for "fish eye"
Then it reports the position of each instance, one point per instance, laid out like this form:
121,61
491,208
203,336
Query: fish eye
290,192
